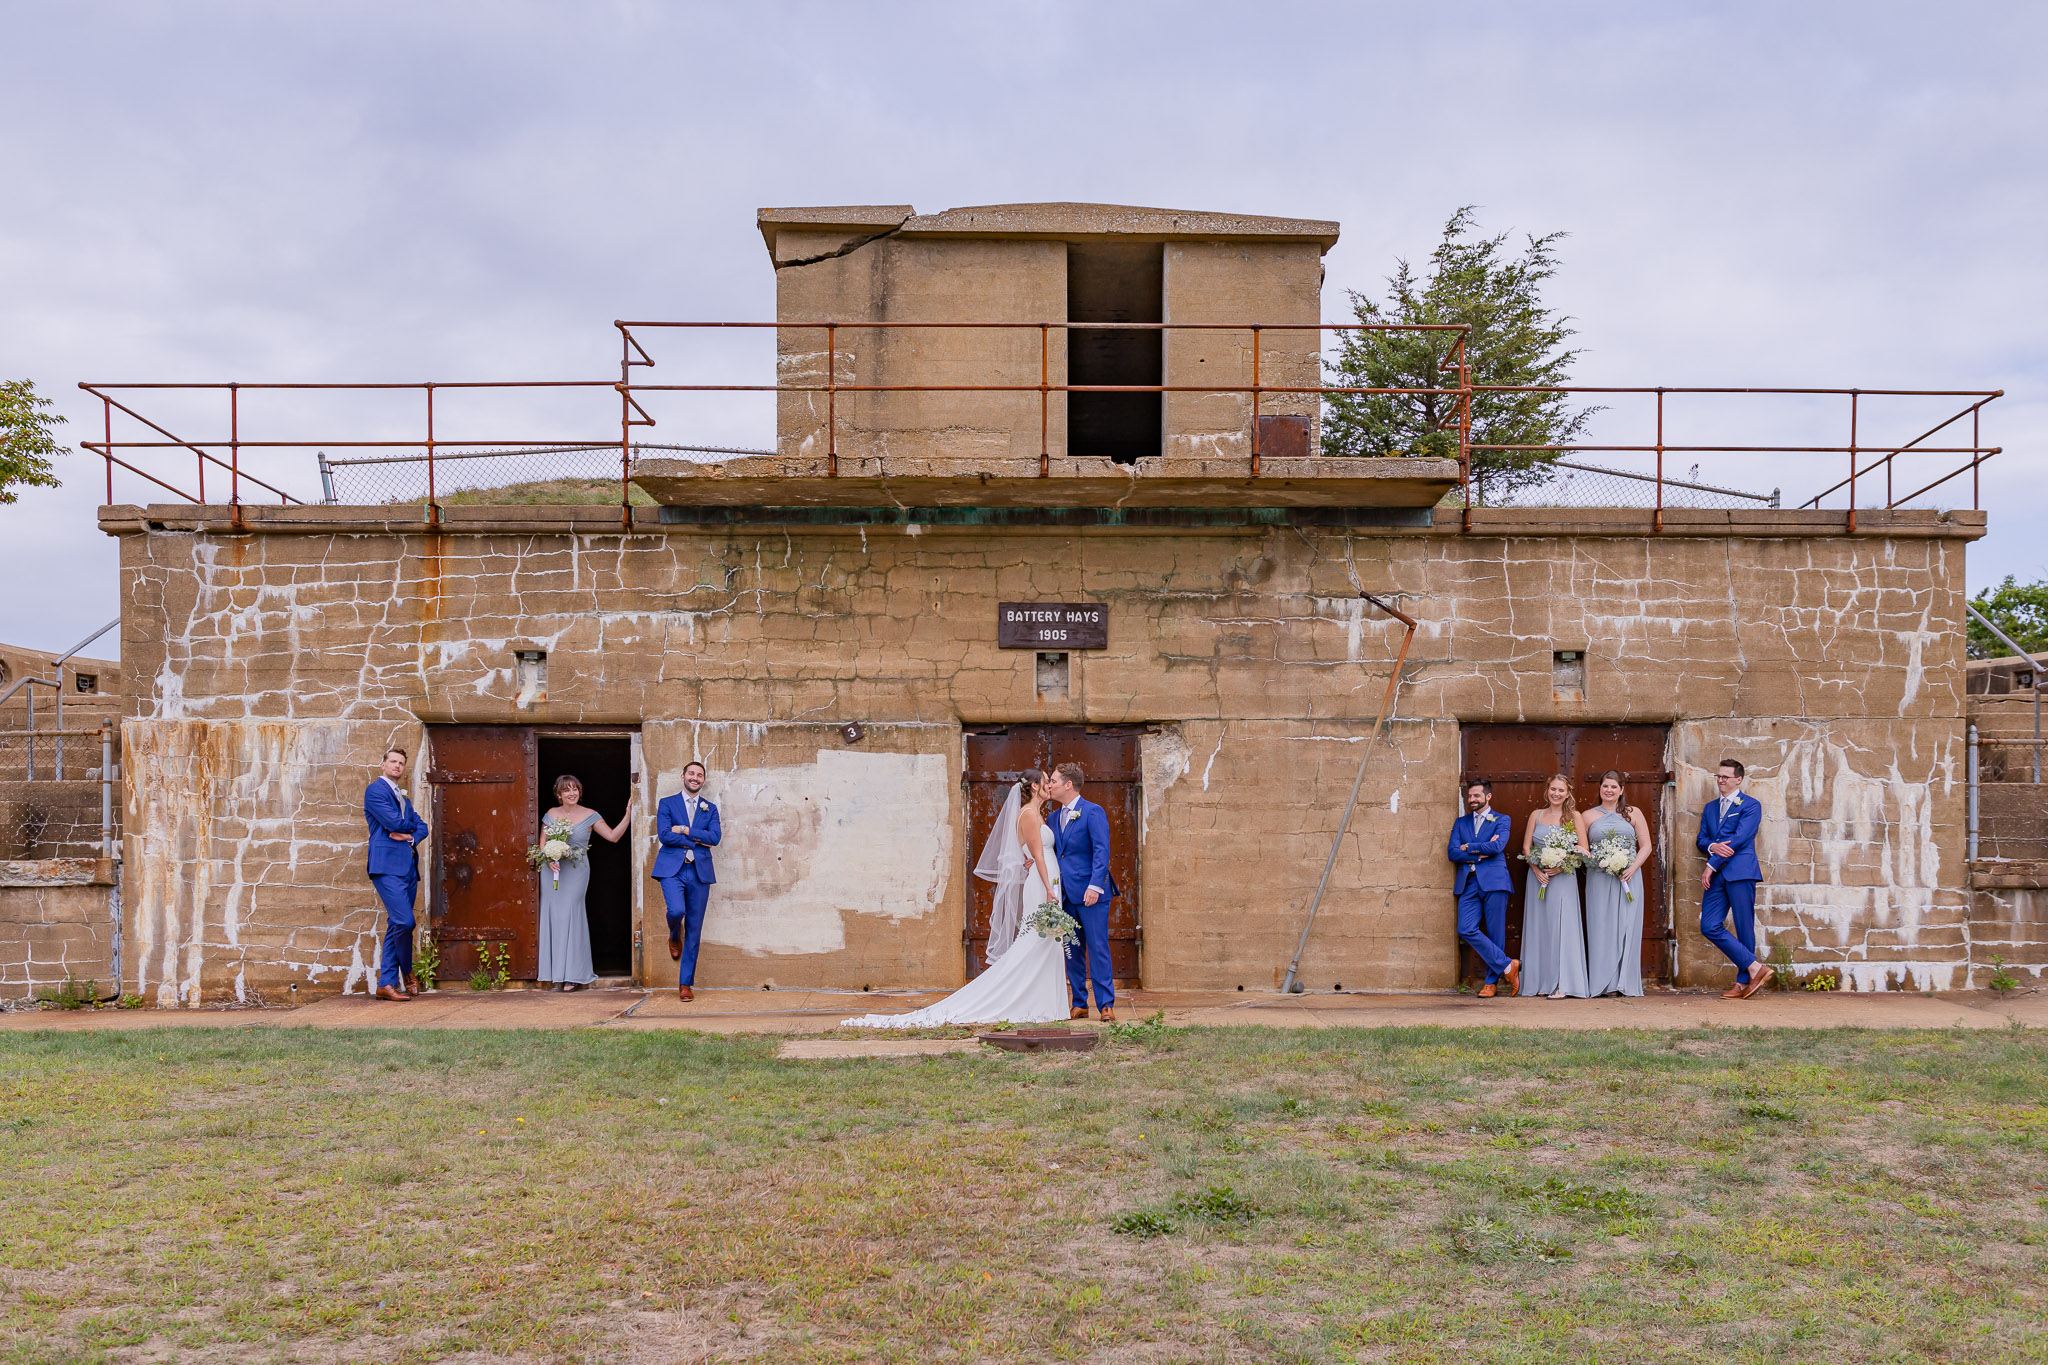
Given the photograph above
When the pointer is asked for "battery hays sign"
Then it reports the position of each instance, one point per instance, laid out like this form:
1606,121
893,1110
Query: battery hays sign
1052,625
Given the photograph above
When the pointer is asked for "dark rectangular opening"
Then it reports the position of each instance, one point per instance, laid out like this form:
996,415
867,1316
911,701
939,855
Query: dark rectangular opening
1115,282
604,765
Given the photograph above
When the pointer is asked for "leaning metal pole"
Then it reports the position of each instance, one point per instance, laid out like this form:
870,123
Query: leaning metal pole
1291,985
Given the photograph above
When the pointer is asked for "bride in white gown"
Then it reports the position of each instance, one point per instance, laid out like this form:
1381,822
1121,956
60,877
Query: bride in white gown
1026,979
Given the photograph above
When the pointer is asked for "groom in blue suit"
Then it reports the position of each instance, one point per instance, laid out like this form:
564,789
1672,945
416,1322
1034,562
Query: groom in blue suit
1478,851
1727,837
1080,841
395,833
687,829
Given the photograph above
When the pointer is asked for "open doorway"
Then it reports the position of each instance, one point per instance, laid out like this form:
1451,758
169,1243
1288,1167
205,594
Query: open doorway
604,765
1115,282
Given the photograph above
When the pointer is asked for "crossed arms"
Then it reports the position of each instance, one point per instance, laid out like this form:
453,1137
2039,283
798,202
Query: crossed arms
1492,846
679,836
387,817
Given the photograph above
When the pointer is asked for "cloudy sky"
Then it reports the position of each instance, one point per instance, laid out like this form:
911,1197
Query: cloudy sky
1765,194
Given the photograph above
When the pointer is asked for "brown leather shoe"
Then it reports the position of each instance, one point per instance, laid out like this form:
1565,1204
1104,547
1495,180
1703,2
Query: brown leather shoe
1078,1012
1734,992
1512,977
675,950
1486,991
685,993
391,993
1760,977
412,985
1109,1016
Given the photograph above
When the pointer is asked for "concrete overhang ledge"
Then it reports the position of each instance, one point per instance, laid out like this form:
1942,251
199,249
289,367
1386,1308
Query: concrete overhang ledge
1057,221
1071,481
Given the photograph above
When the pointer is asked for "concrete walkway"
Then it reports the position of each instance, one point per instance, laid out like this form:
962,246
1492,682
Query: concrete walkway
799,1012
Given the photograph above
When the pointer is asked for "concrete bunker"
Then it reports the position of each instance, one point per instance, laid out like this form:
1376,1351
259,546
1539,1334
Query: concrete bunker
822,627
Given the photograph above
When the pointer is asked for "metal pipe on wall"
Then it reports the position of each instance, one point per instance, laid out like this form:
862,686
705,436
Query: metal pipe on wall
1971,788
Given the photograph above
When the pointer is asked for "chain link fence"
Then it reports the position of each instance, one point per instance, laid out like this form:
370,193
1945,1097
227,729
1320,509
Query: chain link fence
1576,483
499,475
45,815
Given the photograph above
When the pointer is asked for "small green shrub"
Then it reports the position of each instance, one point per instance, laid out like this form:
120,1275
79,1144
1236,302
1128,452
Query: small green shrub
1145,1223
1781,966
1149,1030
1217,1204
72,995
494,967
428,966
1823,981
2001,980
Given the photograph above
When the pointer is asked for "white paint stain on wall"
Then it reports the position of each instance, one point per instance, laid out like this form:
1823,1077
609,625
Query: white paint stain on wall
1851,860
807,845
224,815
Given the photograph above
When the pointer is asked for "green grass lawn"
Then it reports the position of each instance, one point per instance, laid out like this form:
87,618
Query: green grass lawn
1179,1195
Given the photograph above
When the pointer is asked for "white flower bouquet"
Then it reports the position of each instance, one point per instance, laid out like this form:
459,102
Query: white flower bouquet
554,849
1556,853
1613,855
1049,921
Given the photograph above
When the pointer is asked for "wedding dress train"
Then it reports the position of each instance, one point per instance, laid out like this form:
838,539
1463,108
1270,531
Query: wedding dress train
1026,981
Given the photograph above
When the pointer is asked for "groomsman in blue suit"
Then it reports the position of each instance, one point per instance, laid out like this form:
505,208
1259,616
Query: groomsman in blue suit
1080,841
395,833
1478,850
1728,886
687,829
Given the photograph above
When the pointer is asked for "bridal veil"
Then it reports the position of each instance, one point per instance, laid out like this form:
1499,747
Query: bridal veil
1003,862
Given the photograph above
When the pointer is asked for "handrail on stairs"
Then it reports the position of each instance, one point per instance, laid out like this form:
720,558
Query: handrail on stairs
31,682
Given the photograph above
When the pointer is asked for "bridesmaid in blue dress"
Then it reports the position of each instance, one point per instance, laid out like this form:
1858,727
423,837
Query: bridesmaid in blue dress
1614,905
1553,940
564,924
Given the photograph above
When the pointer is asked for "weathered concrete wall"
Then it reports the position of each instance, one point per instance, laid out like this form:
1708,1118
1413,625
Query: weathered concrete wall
1236,283
920,280
244,850
268,671
56,923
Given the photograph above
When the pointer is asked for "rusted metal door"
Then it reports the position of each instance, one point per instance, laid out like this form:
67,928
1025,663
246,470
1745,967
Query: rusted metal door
1520,759
995,758
484,786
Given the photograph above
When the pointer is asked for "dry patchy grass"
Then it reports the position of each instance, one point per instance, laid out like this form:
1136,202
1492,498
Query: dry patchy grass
1179,1195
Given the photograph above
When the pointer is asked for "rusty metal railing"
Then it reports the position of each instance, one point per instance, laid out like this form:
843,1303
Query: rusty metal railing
1866,460
1045,387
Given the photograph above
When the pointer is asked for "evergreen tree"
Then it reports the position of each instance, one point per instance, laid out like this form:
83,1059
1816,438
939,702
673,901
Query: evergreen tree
1514,340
